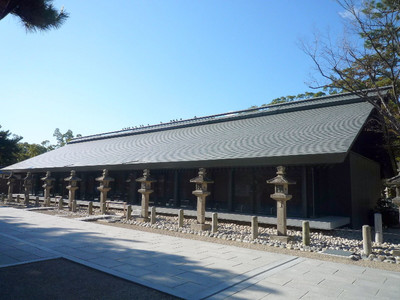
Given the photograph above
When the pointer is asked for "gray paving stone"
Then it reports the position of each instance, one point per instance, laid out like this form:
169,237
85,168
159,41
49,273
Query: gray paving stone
172,265
387,294
7,260
281,279
328,283
368,283
85,255
279,292
350,295
310,278
132,270
134,260
19,254
392,283
167,270
189,290
164,280
200,279
326,291
106,262
252,292
316,296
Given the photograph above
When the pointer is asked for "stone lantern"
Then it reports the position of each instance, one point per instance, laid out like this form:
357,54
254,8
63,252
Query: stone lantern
104,188
281,195
11,179
145,190
201,193
72,187
48,185
28,182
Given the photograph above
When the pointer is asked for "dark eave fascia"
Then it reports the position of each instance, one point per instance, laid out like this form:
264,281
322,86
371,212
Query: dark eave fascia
295,160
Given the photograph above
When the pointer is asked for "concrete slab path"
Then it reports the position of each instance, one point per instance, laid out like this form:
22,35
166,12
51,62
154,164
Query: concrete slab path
186,268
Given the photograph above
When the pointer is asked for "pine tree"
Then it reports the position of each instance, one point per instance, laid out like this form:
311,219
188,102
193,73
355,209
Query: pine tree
34,14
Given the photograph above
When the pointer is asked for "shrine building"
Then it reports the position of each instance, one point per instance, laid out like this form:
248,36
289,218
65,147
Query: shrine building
333,147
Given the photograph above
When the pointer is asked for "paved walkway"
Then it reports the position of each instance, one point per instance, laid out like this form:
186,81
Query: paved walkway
186,268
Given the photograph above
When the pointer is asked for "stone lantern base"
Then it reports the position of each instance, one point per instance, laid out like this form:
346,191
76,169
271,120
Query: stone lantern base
281,238
200,227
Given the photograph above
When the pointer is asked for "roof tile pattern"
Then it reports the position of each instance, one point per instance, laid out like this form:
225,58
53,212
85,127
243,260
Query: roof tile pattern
299,132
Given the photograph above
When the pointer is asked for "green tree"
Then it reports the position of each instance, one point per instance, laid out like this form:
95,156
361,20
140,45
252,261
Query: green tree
306,95
8,147
27,150
63,138
34,14
367,57
285,99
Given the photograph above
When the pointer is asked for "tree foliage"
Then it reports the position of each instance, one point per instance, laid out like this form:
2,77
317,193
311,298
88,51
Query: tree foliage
304,96
63,138
26,150
285,99
8,147
12,151
367,57
34,14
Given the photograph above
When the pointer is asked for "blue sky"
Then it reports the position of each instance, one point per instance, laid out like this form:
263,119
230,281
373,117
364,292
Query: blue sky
115,64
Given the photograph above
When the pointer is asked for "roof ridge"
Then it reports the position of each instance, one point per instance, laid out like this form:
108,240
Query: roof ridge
239,114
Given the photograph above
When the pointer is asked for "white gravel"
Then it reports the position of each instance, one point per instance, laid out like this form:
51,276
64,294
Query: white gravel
344,239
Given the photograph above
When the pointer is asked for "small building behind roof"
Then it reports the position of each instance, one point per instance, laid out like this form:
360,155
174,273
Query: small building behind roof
333,147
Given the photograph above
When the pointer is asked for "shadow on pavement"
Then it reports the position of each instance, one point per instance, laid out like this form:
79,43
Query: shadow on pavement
174,272
63,279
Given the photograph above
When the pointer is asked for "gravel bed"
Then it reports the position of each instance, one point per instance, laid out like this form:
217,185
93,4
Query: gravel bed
344,239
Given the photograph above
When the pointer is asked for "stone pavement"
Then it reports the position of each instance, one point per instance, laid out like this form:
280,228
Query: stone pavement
186,268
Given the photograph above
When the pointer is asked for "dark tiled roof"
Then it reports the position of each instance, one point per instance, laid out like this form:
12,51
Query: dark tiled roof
320,130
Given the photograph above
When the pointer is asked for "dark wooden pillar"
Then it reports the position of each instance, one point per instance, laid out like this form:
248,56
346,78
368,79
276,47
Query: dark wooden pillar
83,187
313,191
304,191
36,183
131,180
177,200
253,191
135,193
230,189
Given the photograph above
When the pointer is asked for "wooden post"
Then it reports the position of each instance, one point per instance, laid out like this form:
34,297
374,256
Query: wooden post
306,233
153,215
128,212
367,244
73,208
254,227
26,199
90,208
214,223
60,203
180,218
378,228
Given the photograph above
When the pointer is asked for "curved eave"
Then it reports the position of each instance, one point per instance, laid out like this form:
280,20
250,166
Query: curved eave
294,160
